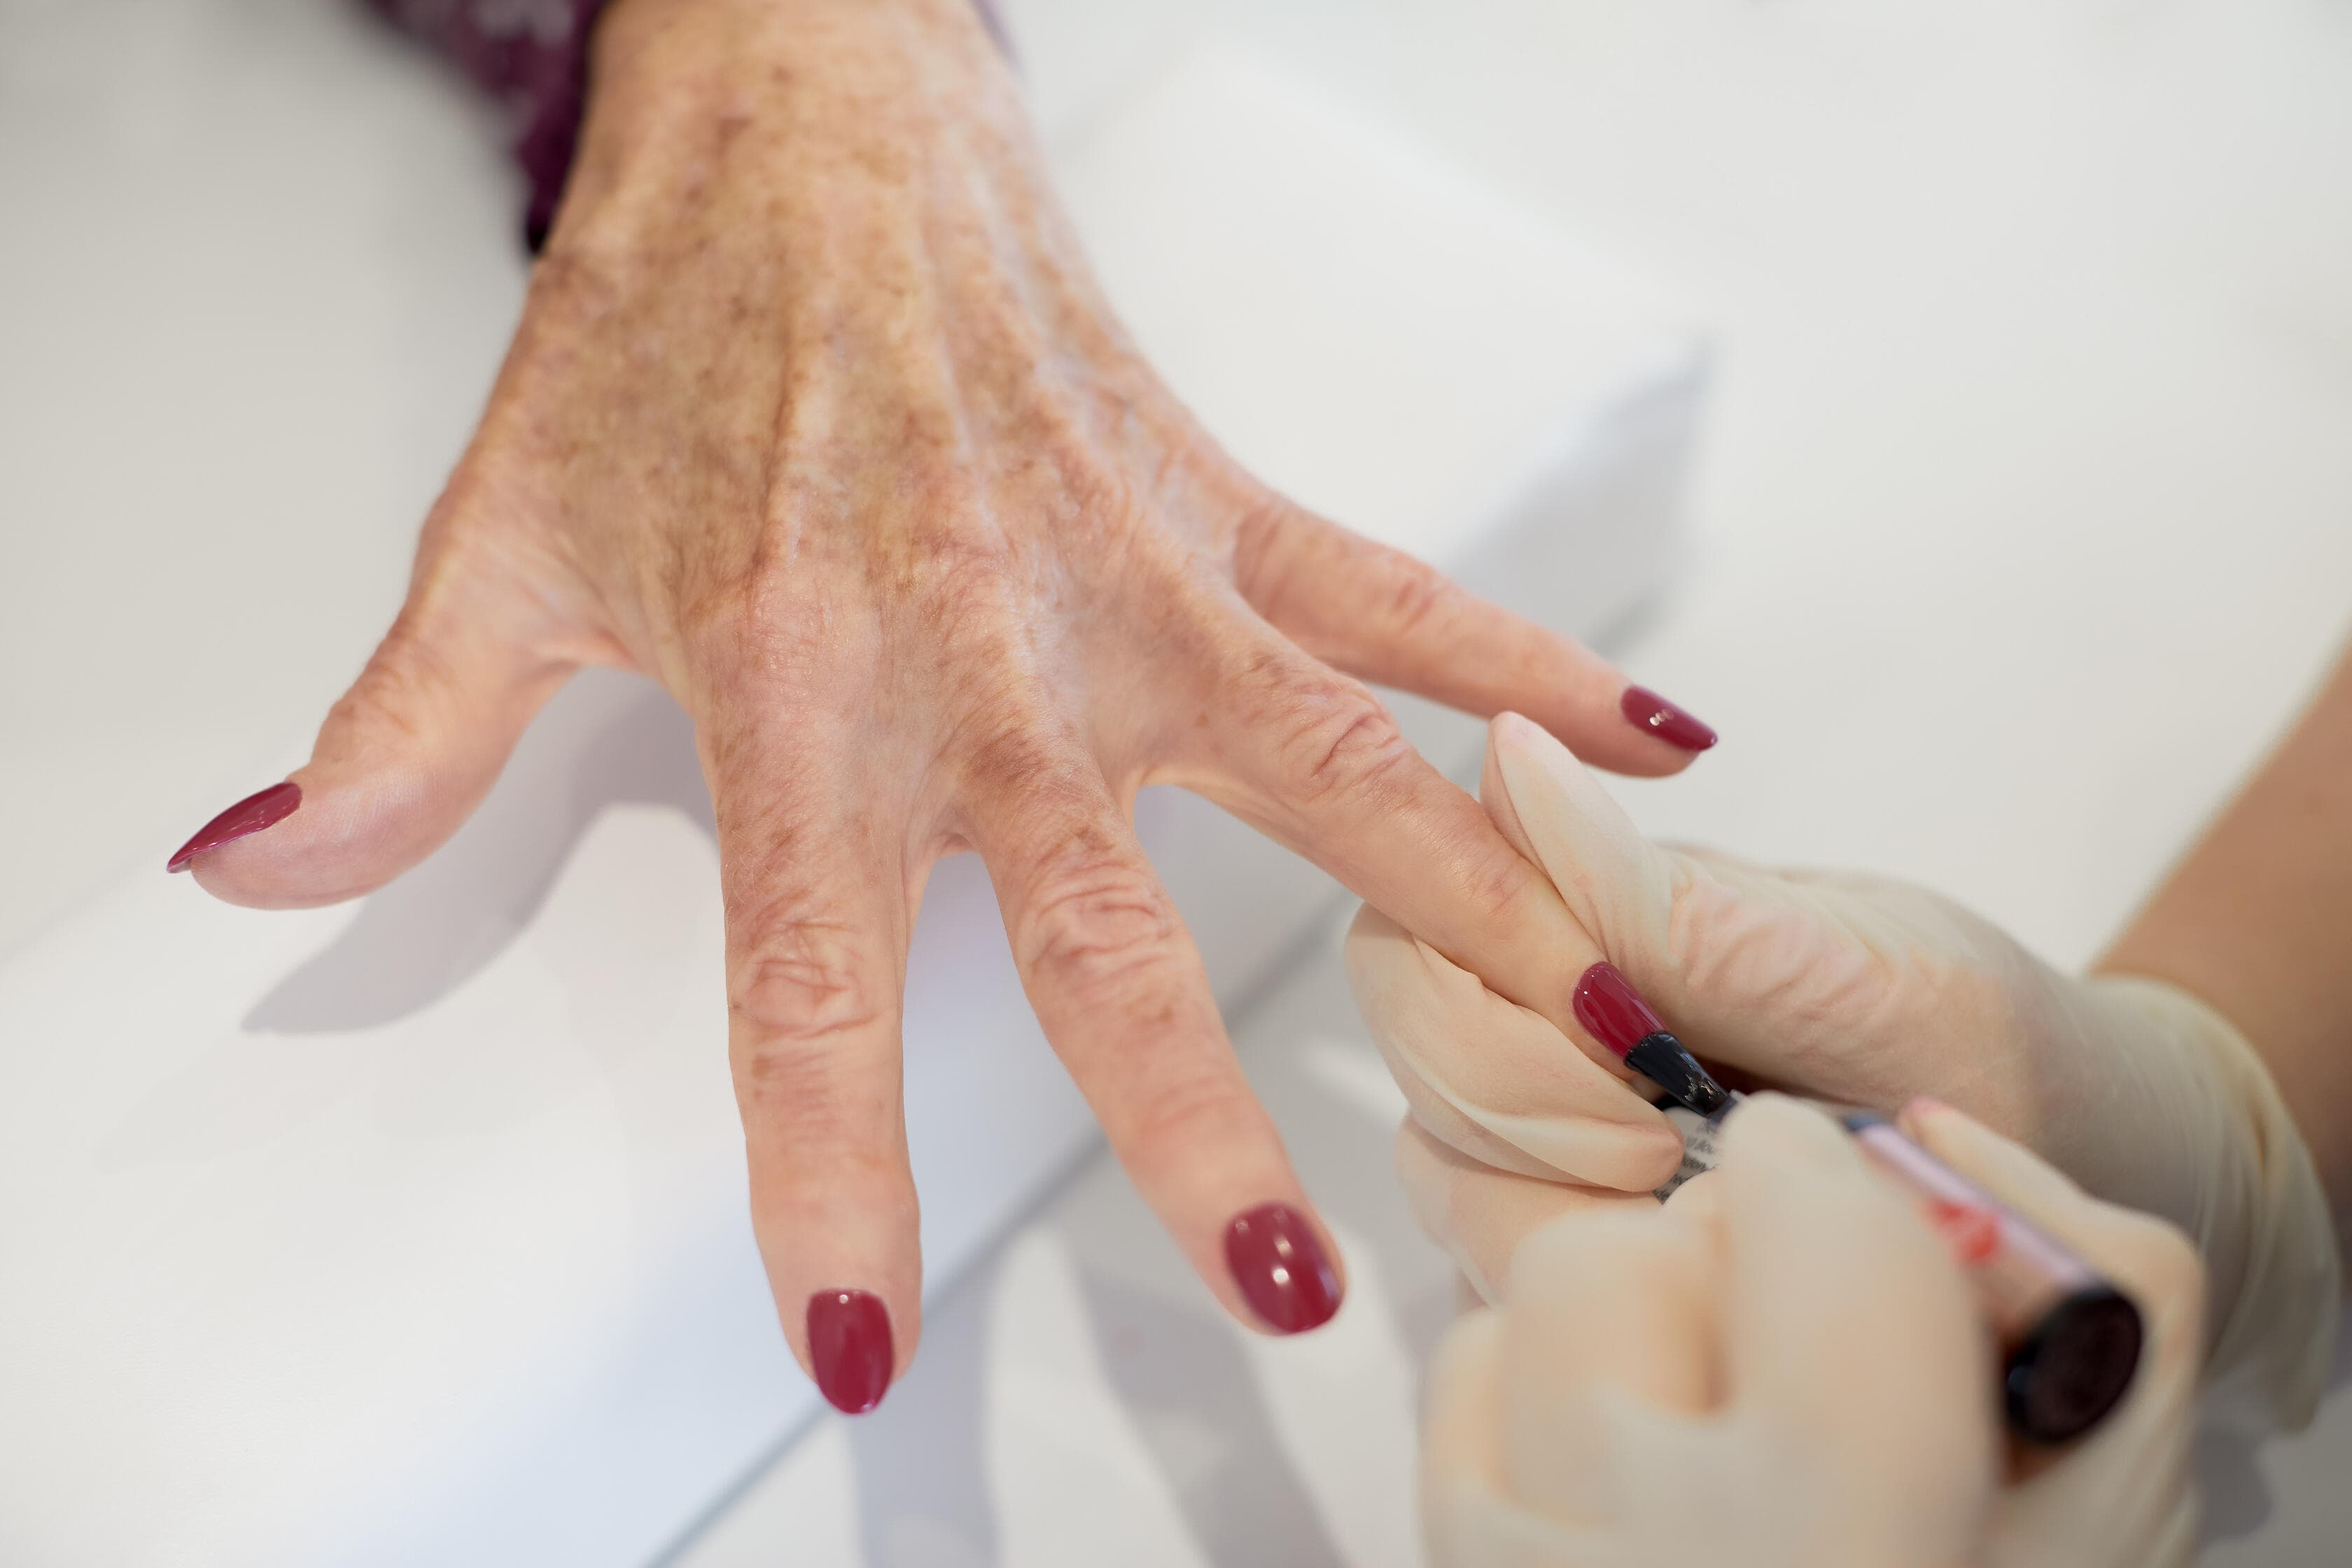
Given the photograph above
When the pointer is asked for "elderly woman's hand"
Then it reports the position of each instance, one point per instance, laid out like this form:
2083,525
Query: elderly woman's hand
816,416
1854,988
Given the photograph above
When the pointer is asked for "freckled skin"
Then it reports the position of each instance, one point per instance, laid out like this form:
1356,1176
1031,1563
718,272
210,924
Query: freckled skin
816,415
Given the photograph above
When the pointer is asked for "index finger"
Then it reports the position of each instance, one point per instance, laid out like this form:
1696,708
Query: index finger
1312,759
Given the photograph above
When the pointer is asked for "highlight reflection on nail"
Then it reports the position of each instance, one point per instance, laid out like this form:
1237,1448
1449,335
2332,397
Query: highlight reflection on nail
1669,722
1278,1262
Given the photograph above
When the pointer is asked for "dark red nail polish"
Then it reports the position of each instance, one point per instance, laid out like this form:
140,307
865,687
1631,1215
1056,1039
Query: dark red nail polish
246,817
1645,709
1278,1262
1614,1012
850,1346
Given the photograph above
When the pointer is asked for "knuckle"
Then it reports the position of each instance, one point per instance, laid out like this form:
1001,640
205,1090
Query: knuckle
398,685
1341,741
1096,924
1496,887
1418,595
1270,564
800,981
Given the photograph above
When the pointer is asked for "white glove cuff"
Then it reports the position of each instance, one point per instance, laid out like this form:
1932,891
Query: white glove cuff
2239,1179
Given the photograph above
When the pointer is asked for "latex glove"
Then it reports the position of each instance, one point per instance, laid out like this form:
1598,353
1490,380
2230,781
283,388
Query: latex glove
1788,1370
1867,991
816,415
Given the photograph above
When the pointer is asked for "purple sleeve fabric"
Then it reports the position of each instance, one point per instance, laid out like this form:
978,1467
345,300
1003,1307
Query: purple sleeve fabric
533,55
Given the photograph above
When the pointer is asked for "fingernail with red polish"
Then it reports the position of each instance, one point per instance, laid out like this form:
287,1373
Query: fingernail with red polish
246,817
1645,709
1278,1262
1614,1012
850,1346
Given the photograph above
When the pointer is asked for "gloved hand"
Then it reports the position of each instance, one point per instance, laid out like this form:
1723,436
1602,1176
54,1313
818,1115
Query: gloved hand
1862,989
1783,1365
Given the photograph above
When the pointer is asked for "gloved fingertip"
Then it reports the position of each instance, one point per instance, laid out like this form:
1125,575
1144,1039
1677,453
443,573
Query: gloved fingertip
1495,792
1918,1112
1786,1133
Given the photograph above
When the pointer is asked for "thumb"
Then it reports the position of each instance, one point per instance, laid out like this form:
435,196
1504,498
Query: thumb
400,761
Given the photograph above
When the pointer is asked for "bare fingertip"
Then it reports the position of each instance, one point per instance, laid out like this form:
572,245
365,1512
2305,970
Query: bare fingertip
1918,1112
1510,724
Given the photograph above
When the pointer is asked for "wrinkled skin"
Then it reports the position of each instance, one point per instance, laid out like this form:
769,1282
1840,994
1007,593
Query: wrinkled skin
816,417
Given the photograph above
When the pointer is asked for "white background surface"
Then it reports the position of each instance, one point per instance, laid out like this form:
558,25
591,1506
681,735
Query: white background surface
2026,521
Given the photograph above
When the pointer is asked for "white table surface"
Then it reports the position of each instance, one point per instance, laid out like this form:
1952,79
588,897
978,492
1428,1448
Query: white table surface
2026,522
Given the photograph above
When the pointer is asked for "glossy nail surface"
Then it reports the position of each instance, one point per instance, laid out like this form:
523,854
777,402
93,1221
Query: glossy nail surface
1671,722
1279,1264
1612,1011
246,817
850,1347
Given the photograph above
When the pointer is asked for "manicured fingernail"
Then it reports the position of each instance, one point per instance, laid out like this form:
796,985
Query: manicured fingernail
850,1345
1614,1012
246,817
1645,709
1279,1264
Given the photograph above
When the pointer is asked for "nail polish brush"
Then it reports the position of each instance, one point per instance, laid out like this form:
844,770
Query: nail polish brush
2070,1341
1614,1012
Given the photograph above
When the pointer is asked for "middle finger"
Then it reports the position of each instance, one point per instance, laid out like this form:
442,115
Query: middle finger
1118,985
1314,760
